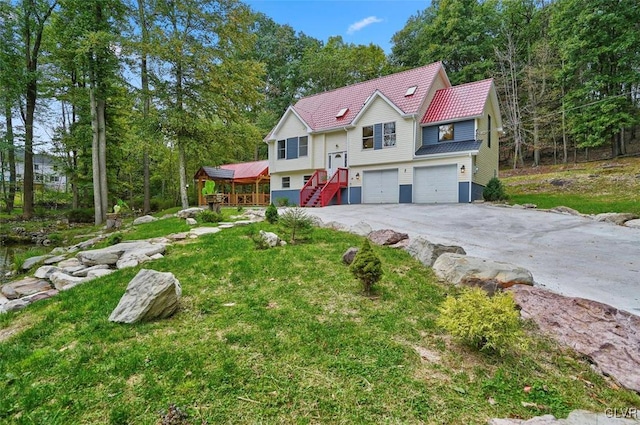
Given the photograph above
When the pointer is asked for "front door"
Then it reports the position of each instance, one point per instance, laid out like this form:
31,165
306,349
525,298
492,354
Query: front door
336,160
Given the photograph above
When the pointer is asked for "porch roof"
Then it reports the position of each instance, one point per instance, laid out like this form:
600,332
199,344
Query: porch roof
244,172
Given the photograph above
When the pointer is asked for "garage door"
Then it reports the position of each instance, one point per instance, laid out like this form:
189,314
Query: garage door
380,187
437,184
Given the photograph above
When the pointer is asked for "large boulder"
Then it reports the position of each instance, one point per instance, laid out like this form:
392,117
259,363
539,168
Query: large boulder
23,287
361,229
111,254
616,218
150,295
608,336
189,212
144,219
459,269
386,237
427,252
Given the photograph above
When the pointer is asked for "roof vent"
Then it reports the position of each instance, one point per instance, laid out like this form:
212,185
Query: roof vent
342,112
411,91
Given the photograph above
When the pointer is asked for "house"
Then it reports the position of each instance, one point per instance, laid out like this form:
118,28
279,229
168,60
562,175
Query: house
408,137
245,183
48,171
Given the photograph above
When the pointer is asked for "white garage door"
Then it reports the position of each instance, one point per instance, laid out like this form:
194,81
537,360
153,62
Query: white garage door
433,185
380,187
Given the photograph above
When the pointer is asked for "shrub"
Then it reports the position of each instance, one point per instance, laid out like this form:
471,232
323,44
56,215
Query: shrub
208,216
271,214
483,322
367,267
114,238
294,222
81,215
494,190
283,202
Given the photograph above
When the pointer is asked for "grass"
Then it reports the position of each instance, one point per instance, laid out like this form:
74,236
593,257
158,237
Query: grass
590,188
276,336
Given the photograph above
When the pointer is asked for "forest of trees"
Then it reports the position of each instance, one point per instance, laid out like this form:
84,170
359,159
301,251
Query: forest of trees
144,92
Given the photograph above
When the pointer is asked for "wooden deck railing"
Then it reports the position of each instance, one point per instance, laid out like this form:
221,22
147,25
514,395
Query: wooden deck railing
245,199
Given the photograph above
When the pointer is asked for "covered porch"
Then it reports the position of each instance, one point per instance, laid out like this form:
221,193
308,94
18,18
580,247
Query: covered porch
243,184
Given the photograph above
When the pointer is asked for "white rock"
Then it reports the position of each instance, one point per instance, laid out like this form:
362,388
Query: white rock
44,272
189,212
54,260
156,256
633,223
96,273
61,281
84,272
199,231
270,238
71,262
144,219
361,229
191,221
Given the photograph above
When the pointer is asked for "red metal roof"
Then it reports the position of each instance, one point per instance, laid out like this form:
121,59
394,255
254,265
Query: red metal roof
465,100
248,170
319,111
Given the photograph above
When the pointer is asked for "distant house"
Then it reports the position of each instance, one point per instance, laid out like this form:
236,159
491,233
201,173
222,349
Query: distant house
48,171
408,137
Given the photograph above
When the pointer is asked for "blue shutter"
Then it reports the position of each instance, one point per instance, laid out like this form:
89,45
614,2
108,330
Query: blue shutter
292,148
377,136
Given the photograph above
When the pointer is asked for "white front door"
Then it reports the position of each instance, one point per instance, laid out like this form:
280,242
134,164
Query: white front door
336,160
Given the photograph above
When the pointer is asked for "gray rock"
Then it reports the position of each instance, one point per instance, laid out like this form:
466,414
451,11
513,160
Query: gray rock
615,218
99,256
133,259
192,221
178,236
72,270
350,255
58,251
84,272
459,269
529,206
335,226
33,261
96,273
565,210
361,229
633,223
3,300
41,295
608,336
271,239
23,287
225,225
386,237
189,212
71,262
44,272
91,242
156,256
14,305
199,231
110,255
144,219
150,295
62,281
577,417
54,260
427,252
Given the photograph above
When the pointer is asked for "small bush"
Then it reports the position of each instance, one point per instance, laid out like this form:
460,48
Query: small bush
271,214
483,322
295,221
283,202
494,191
367,267
207,216
114,238
81,215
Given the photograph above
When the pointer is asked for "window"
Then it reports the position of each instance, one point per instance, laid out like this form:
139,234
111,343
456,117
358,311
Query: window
445,133
36,167
282,149
286,182
389,139
18,176
489,131
306,179
303,146
367,137
55,179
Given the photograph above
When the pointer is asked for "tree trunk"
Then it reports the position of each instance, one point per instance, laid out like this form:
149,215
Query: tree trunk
27,191
146,101
183,176
102,147
11,159
95,159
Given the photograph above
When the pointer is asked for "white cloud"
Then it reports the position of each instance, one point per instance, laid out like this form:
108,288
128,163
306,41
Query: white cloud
363,23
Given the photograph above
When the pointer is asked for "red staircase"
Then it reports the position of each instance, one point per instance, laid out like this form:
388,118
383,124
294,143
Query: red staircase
318,192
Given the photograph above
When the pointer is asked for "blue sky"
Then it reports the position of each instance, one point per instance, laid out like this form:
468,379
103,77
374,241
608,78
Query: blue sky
357,21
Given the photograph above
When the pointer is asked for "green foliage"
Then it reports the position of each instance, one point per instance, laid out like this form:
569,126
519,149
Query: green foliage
283,202
367,267
114,238
494,191
271,214
208,216
484,322
80,215
295,221
55,238
209,188
19,257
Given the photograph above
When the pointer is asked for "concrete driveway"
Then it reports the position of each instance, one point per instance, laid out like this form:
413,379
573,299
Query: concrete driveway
574,256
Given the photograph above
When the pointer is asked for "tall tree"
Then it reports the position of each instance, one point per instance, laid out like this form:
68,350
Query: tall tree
143,22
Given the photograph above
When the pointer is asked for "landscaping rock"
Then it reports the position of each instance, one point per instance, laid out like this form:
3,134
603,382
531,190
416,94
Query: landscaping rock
361,229
144,219
633,223
150,295
45,272
156,256
62,281
91,242
459,269
386,237
71,262
23,287
178,236
96,273
335,226
565,210
189,212
615,218
100,256
54,260
58,251
199,231
86,270
33,261
403,244
608,336
132,259
110,255
192,221
271,239
14,305
350,255
577,417
225,225
427,252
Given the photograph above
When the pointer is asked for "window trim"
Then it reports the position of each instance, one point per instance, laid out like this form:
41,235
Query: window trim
384,135
305,179
450,131
306,146
281,152
286,179
371,138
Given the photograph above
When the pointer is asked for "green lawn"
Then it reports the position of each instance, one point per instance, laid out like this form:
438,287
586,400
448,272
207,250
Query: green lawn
276,336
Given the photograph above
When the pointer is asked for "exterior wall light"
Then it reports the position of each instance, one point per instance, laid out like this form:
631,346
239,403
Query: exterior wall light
462,169
357,176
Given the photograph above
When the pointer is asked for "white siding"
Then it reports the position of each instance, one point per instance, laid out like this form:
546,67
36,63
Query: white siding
291,127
